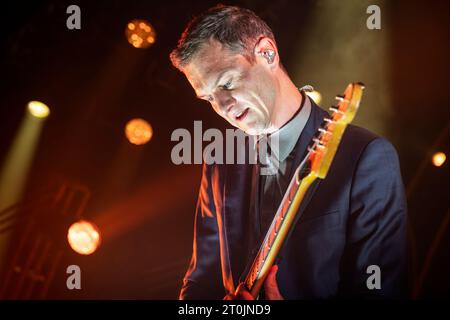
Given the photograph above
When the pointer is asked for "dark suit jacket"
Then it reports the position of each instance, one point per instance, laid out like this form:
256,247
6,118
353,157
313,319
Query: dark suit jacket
355,218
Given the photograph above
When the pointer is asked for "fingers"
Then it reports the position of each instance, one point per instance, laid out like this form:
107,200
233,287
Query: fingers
241,294
270,285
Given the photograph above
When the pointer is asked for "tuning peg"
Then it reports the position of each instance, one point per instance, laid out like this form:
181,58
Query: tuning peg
311,150
336,110
324,131
318,143
329,120
363,86
340,98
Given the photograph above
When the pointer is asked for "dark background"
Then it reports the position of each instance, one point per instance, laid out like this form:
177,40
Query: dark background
94,82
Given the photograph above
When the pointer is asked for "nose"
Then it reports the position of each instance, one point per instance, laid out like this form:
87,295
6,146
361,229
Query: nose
225,102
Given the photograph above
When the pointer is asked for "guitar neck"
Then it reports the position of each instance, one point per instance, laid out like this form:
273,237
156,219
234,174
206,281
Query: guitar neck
278,231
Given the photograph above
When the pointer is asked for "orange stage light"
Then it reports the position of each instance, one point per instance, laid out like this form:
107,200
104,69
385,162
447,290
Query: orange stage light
84,237
438,159
140,34
138,131
316,96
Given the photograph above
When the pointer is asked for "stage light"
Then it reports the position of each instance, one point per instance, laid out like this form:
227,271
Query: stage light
316,96
38,109
14,172
83,237
140,34
438,159
138,131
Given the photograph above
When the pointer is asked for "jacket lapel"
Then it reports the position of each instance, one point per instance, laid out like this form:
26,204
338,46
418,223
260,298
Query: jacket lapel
235,219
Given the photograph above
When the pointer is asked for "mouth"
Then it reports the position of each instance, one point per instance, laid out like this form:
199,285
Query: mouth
240,116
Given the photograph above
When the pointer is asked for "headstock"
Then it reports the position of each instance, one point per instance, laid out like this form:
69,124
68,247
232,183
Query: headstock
325,145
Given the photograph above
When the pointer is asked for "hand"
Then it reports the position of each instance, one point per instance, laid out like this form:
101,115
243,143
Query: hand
270,287
241,294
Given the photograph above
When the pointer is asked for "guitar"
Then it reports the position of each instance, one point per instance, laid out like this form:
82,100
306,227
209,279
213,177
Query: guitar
317,162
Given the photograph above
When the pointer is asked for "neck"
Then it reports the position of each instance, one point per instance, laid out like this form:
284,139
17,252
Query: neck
288,101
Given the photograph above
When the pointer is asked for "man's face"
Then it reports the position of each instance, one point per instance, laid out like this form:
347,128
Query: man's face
241,92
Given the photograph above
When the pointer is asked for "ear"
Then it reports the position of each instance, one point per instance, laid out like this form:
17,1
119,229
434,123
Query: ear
266,53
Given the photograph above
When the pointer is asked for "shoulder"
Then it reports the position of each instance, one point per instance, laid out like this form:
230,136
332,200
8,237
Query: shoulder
376,157
370,142
367,142
367,152
358,135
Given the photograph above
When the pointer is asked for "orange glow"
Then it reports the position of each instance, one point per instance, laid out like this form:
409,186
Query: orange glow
438,159
138,131
83,237
316,96
137,31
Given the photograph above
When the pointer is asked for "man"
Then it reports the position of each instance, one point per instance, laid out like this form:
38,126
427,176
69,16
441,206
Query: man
355,219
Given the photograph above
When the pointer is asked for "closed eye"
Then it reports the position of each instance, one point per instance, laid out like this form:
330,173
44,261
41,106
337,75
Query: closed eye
227,85
206,98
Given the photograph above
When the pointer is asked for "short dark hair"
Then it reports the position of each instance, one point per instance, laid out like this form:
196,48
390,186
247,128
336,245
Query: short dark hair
236,28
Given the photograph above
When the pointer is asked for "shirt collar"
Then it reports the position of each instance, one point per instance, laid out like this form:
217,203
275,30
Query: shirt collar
289,133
